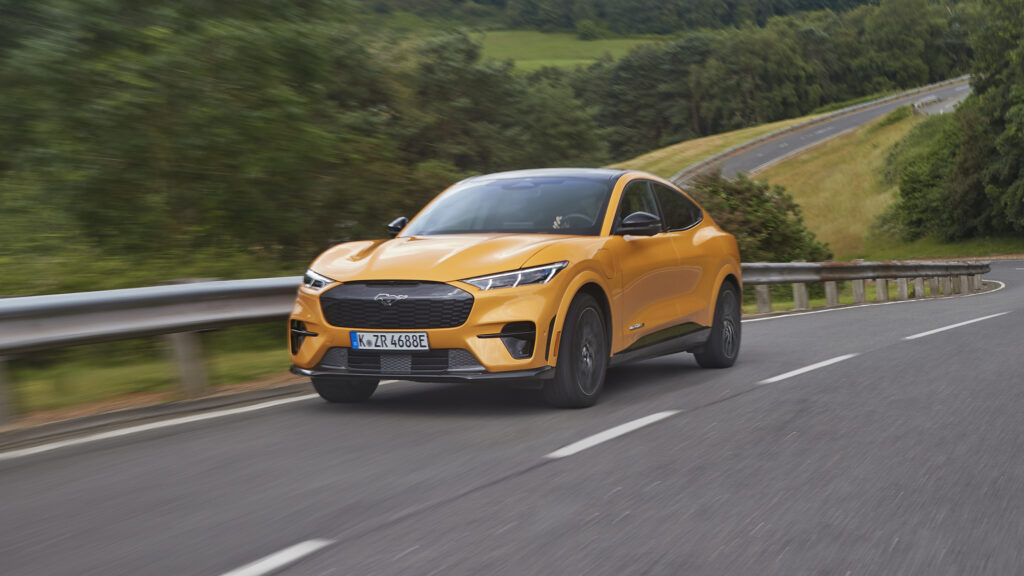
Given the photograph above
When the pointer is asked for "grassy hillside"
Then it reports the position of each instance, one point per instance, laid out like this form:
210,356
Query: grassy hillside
667,161
839,184
841,190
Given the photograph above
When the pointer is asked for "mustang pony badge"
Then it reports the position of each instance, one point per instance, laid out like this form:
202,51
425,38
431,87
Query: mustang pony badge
389,299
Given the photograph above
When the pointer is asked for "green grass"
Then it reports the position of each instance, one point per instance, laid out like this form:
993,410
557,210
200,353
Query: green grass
532,50
667,161
842,192
889,248
782,295
101,372
839,184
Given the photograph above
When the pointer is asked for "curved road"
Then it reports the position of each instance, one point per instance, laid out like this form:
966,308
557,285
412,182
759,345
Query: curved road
758,157
900,453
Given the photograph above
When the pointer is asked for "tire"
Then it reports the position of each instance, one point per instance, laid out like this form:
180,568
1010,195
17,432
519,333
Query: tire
582,357
723,346
344,390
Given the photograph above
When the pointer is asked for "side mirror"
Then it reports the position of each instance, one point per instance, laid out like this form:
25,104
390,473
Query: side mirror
396,225
640,224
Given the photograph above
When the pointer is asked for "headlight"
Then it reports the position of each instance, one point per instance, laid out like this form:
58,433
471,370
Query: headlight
524,277
315,281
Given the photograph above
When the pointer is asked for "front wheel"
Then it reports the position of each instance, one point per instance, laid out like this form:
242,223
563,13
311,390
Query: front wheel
343,389
723,345
582,357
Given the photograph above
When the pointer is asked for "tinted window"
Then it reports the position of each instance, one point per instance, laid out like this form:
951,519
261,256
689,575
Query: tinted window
527,205
637,197
680,212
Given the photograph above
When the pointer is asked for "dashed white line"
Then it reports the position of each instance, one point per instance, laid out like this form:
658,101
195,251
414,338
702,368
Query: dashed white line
147,427
609,434
807,369
952,326
280,559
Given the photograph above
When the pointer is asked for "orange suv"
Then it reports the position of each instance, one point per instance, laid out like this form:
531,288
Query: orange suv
545,275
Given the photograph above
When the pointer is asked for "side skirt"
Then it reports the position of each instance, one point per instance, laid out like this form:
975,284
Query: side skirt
671,345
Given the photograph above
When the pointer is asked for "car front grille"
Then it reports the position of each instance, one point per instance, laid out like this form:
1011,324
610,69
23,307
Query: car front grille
396,305
437,361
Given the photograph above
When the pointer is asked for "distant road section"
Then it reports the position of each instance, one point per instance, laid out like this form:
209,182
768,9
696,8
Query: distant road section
759,157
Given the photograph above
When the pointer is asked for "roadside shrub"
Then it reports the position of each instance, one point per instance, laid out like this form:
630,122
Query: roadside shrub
765,219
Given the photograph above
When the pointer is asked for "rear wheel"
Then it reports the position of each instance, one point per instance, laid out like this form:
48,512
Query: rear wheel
345,390
723,346
582,357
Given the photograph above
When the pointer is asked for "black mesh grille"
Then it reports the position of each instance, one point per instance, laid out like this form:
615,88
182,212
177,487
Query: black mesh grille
422,362
396,305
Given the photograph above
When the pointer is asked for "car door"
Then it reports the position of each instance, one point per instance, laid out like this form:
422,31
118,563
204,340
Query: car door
694,279
647,268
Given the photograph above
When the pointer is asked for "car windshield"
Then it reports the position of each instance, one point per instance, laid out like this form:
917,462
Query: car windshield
525,205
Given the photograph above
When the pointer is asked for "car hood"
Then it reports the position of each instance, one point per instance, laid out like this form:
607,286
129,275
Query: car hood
441,258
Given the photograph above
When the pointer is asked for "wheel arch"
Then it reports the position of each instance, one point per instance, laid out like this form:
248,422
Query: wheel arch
731,274
583,284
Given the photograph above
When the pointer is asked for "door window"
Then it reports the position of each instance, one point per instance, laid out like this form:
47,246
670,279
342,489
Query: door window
680,212
637,197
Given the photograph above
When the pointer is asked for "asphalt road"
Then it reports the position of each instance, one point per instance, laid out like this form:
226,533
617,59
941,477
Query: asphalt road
759,157
899,457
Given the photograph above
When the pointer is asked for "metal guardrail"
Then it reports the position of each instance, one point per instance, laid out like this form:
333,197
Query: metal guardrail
954,277
37,323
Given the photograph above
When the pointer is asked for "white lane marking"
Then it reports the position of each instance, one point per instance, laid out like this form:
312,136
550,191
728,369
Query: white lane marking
807,369
609,434
961,88
952,326
910,301
280,559
147,427
1018,268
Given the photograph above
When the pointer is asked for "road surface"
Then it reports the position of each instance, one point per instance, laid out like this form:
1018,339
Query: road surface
883,439
759,157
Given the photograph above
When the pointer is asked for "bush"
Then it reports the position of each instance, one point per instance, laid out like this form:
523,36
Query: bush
765,219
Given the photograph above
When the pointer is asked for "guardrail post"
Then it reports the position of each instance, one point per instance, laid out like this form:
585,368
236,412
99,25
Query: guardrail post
858,291
6,413
831,294
933,287
918,287
978,282
800,299
947,286
764,298
901,289
965,284
881,289
188,357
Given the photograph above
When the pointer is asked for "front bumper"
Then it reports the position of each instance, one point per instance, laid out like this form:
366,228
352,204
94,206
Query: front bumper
478,338
496,377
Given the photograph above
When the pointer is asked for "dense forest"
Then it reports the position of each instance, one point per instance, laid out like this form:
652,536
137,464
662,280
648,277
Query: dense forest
148,140
596,17
962,176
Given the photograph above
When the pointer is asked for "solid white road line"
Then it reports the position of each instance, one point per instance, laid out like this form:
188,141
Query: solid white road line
600,437
807,369
950,327
147,427
280,559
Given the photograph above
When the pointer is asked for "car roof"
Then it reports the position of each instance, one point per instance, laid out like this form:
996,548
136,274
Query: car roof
594,173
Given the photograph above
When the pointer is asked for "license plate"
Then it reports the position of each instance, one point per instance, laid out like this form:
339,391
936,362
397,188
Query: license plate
390,341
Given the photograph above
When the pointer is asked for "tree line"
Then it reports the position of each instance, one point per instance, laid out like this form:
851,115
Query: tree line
962,175
253,134
594,18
